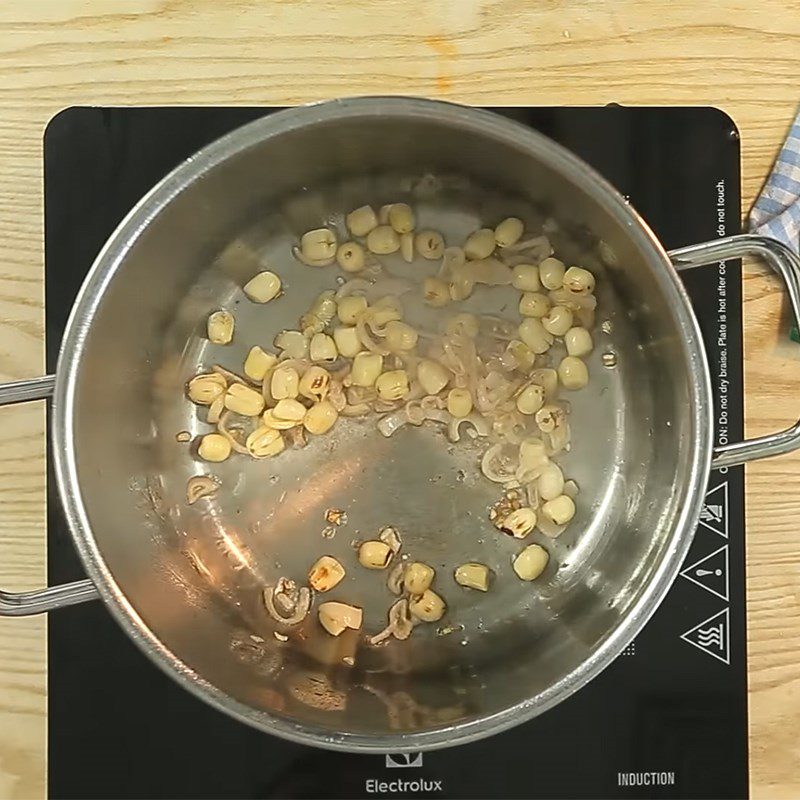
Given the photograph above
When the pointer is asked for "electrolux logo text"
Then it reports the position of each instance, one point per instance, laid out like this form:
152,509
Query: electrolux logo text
399,785
375,786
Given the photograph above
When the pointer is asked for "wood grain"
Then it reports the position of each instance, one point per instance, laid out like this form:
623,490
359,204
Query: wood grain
739,55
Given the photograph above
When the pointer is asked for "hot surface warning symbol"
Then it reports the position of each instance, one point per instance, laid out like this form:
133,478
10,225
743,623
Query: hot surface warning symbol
711,636
714,514
711,572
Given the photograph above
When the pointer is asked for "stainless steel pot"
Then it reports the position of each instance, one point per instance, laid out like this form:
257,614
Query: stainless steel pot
185,582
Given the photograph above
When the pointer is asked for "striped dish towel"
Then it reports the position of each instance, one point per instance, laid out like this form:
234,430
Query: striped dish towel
776,212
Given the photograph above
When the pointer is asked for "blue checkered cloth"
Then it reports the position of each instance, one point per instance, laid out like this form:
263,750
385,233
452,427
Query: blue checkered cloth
776,212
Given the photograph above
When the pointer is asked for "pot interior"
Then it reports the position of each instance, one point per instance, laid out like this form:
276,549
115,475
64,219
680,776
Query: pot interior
189,578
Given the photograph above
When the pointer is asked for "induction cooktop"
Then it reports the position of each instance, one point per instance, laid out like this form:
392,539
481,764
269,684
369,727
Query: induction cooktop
668,719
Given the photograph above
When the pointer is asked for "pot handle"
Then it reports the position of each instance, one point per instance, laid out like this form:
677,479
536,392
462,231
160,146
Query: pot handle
20,604
787,265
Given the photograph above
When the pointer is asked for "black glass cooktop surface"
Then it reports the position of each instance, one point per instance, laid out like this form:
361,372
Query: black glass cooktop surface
668,719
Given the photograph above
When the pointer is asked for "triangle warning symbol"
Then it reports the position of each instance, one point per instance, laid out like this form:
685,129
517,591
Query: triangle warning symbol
711,572
714,513
711,636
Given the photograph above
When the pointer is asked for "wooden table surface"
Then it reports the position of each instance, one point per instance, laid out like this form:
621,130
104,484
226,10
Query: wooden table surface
740,55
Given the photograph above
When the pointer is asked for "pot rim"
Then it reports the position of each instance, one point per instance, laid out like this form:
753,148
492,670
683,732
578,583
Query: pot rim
110,260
